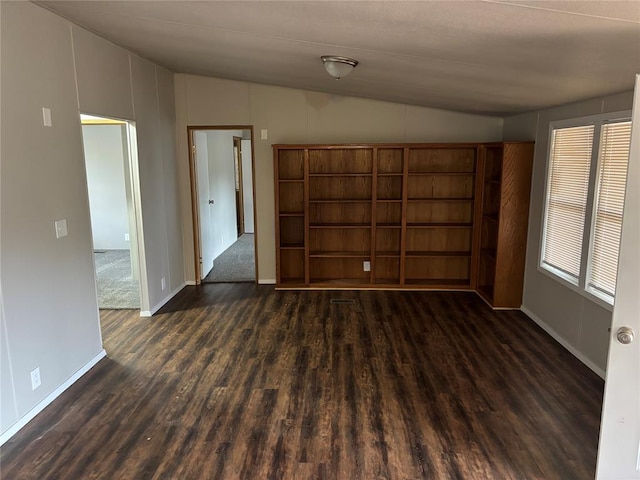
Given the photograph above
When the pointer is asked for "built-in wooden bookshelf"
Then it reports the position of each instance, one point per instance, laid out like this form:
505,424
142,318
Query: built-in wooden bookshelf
506,185
388,215
292,224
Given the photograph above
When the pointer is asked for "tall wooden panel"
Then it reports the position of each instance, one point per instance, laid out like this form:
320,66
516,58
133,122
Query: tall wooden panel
505,216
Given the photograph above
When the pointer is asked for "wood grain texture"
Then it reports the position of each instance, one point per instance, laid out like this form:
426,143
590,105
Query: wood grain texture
478,194
517,164
244,382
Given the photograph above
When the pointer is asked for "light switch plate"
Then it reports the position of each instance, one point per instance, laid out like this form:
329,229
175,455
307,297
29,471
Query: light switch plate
61,228
46,116
263,134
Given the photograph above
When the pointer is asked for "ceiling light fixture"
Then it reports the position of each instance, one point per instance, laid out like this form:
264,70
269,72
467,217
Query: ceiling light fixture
338,67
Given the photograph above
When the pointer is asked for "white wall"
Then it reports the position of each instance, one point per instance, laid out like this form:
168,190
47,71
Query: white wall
105,164
48,284
247,186
113,82
577,322
299,116
53,323
222,189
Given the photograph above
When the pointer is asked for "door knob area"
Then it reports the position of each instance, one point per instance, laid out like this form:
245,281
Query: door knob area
625,335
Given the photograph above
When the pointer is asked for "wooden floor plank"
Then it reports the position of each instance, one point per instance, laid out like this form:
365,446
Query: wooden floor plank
243,382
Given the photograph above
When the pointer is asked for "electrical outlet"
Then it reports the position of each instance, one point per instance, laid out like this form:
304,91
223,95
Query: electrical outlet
126,237
35,378
366,266
163,283
61,228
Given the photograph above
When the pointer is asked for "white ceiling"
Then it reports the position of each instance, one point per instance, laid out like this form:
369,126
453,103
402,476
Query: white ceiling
494,57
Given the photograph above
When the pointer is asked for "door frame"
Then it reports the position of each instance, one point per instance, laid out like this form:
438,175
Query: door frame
237,144
195,212
132,181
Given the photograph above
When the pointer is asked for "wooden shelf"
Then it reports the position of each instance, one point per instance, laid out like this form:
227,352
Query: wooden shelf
424,215
440,282
340,225
330,282
339,254
443,199
340,175
448,174
439,225
506,179
438,199
438,254
339,200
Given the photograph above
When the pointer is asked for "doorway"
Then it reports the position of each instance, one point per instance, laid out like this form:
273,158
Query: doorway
222,188
237,162
114,223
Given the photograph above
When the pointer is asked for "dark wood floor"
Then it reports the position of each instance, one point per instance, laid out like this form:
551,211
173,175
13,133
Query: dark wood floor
241,382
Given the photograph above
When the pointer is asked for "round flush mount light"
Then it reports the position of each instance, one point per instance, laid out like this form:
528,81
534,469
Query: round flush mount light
338,67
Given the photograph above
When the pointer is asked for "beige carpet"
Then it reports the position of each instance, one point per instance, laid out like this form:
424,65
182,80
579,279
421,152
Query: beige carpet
235,264
116,286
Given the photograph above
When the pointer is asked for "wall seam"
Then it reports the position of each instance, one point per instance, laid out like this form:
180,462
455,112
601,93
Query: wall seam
86,183
164,186
133,103
537,246
75,68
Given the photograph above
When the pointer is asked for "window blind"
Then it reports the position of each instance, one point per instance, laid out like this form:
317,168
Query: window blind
612,175
567,191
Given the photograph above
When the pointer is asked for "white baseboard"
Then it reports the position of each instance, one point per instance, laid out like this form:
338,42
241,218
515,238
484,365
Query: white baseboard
573,350
15,428
190,282
267,281
163,302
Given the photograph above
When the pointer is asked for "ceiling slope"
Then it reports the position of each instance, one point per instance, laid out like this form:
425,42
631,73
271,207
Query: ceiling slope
491,57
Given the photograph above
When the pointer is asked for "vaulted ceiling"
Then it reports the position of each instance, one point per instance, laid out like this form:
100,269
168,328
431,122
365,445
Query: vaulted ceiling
480,56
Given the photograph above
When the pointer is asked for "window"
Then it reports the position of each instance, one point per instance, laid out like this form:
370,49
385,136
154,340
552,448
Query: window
586,180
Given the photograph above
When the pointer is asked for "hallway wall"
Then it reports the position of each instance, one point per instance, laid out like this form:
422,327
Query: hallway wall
48,62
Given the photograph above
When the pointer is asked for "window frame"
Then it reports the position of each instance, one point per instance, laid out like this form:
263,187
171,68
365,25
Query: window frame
581,285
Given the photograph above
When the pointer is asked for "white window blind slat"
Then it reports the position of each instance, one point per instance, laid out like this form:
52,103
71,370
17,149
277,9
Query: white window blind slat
609,203
568,186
